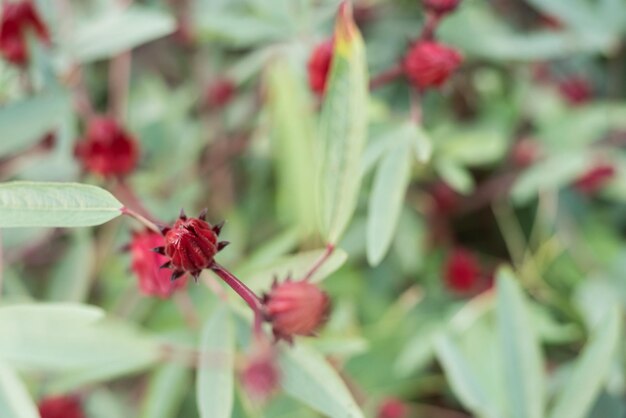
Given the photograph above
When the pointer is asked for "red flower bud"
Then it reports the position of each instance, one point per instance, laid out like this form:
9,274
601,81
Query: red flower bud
441,7
106,149
461,271
296,308
595,179
525,152
61,407
261,376
392,408
219,93
576,90
190,245
430,64
319,66
146,263
17,19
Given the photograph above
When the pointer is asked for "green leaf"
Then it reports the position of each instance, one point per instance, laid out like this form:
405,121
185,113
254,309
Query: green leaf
71,277
24,123
474,146
293,142
240,30
590,371
422,144
215,380
308,377
523,363
455,175
463,381
27,204
385,205
343,128
15,401
111,34
166,391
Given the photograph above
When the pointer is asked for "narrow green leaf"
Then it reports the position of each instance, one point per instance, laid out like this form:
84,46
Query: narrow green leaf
523,363
27,204
385,205
108,35
293,143
455,175
15,401
70,279
41,315
166,391
343,128
591,370
215,380
308,377
24,123
422,144
464,382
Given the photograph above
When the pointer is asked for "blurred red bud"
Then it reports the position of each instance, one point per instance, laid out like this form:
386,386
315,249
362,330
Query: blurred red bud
319,66
430,64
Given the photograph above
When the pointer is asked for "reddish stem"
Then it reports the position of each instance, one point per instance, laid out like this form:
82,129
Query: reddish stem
432,21
330,248
142,219
386,76
253,301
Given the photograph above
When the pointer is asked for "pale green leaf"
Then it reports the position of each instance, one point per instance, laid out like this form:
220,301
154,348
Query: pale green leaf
71,277
28,204
215,380
166,391
521,353
591,370
343,129
422,144
390,184
307,376
455,175
15,401
110,34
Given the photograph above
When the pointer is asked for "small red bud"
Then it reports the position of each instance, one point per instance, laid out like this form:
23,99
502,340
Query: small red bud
296,308
146,263
576,90
525,152
441,7
461,271
219,93
106,149
17,19
261,376
61,407
595,179
392,408
430,64
319,66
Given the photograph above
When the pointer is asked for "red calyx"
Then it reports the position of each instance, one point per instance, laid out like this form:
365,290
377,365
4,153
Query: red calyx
61,407
107,149
392,408
17,18
430,64
296,308
190,245
441,7
576,90
146,263
319,66
595,179
261,376
461,271
219,93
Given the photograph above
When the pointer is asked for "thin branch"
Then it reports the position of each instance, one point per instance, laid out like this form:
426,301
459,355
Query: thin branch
386,76
330,248
142,219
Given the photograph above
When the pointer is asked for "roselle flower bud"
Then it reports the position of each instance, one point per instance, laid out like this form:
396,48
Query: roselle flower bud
17,19
190,245
61,407
576,90
260,376
595,179
219,93
392,408
430,64
319,66
296,308
441,7
146,263
107,150
461,271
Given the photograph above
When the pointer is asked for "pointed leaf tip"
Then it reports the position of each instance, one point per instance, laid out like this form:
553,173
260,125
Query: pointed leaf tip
346,30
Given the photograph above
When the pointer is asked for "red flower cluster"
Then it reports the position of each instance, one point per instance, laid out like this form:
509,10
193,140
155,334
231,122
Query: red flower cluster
430,64
576,90
392,408
18,18
595,179
219,93
461,271
319,66
146,263
107,150
296,308
61,407
441,7
190,245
